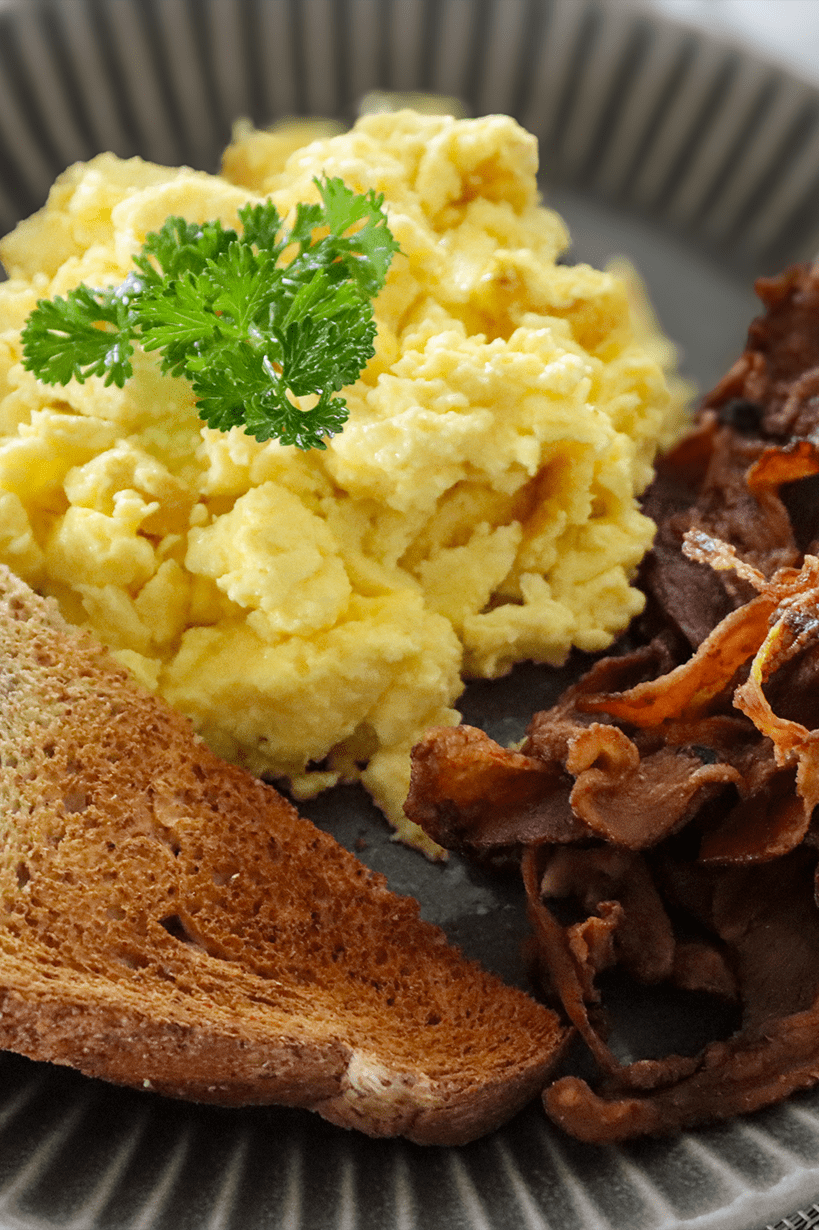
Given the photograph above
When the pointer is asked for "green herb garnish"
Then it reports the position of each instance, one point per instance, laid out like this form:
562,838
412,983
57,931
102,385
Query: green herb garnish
251,320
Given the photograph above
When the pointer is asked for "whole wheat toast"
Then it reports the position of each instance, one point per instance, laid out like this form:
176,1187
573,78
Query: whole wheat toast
169,922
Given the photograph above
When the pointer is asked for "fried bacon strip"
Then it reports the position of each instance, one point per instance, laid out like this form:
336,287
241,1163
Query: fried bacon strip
688,691
770,918
794,628
631,800
733,1079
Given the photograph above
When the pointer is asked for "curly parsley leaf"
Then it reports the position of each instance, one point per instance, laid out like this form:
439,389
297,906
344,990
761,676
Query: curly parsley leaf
247,322
89,333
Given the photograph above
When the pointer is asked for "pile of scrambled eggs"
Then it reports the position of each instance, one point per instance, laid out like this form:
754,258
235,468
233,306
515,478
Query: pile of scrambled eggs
314,612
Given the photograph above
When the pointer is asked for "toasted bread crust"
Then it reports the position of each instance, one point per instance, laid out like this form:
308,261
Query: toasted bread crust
170,922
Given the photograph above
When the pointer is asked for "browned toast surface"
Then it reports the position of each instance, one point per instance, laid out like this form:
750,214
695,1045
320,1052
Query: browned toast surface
169,921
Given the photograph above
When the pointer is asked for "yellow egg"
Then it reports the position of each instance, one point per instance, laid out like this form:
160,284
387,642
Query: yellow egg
313,613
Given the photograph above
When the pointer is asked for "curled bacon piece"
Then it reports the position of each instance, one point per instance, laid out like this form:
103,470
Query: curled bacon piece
635,801
770,918
689,690
732,1079
472,795
794,628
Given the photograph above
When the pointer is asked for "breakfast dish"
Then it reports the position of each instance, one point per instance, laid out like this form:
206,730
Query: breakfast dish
617,102
239,568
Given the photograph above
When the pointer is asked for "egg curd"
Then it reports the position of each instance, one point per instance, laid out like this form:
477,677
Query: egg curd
314,612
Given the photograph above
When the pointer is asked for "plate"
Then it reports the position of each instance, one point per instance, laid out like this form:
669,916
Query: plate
692,157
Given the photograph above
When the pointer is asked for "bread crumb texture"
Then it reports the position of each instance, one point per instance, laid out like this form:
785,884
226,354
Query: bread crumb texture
313,613
166,917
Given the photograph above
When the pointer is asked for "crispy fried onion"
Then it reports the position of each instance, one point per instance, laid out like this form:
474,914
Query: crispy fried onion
668,809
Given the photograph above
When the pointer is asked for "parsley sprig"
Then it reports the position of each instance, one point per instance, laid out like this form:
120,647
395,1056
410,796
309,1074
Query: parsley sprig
252,320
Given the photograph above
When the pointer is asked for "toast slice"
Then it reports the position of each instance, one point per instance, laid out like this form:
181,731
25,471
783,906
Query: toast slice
169,922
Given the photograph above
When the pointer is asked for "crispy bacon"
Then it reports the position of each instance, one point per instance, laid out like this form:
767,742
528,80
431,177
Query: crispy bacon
770,919
587,800
635,801
472,795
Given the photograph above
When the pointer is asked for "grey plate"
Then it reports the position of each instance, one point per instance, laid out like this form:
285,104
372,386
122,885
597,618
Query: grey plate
702,164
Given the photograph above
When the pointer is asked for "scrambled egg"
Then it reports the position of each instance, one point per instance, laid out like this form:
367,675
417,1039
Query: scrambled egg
314,612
